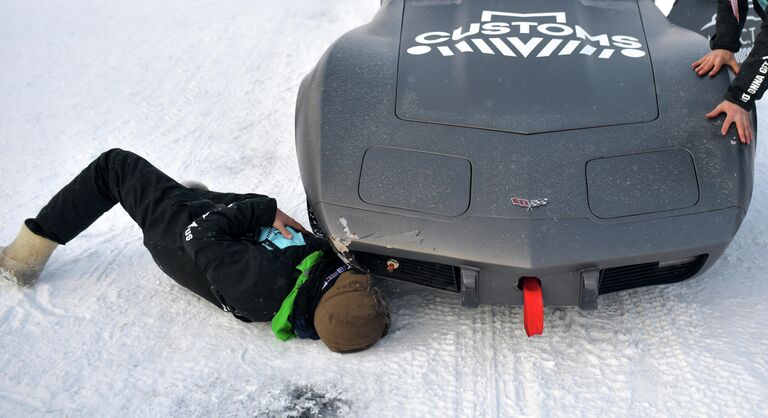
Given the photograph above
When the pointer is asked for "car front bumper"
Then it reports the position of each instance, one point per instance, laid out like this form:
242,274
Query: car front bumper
575,259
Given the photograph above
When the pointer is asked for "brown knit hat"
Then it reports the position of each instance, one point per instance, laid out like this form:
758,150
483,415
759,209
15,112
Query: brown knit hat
351,315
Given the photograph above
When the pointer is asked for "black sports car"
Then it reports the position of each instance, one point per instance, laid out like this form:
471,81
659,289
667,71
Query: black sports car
465,145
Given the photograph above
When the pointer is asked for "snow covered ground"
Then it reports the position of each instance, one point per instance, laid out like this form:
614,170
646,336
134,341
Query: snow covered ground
206,91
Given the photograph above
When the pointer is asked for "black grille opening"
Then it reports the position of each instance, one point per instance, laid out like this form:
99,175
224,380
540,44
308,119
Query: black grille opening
434,275
615,279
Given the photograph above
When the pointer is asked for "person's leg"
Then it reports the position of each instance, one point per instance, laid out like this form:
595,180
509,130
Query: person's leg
219,198
194,184
225,198
117,176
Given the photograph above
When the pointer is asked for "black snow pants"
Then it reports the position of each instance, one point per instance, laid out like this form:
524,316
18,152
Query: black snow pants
162,208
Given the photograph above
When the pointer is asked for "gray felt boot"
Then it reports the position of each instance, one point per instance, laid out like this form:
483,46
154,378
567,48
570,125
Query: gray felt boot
23,260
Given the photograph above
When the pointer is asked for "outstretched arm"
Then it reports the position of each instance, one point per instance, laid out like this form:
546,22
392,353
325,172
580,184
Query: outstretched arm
727,27
725,41
750,84
745,89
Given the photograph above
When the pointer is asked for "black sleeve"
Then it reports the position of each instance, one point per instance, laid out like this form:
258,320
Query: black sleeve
750,84
727,28
241,275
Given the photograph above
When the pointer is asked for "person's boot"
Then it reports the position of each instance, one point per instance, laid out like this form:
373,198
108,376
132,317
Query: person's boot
23,260
194,184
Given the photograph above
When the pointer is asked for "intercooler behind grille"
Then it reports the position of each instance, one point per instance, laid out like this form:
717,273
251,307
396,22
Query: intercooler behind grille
438,276
638,275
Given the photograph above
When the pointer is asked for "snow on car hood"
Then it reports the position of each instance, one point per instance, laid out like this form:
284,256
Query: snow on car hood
525,67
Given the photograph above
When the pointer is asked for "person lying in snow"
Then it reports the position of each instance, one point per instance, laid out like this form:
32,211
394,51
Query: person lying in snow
238,251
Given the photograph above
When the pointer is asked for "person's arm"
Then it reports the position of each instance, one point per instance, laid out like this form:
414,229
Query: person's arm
242,276
750,84
726,40
727,29
745,89
724,43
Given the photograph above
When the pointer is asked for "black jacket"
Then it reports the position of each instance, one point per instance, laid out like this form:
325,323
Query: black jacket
204,240
750,84
249,279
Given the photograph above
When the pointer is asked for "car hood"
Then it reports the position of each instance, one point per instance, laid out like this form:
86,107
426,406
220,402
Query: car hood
525,67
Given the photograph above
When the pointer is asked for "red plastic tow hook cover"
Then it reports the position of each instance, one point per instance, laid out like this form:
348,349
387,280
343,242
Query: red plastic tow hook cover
533,306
